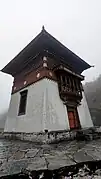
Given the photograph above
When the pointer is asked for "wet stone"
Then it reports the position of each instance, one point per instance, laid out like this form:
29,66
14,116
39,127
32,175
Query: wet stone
3,173
13,167
96,155
81,156
55,162
3,156
18,155
38,163
56,153
3,149
31,153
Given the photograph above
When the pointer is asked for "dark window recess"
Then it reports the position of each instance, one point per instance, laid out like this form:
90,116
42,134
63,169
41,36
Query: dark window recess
72,84
64,80
75,84
67,81
23,100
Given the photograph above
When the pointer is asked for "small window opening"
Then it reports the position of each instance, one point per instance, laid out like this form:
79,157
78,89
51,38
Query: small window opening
64,80
67,81
23,100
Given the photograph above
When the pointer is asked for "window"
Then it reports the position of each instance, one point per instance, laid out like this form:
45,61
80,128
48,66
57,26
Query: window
67,81
75,84
72,83
23,99
64,80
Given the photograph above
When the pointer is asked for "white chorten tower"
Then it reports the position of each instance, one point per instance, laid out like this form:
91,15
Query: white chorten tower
47,92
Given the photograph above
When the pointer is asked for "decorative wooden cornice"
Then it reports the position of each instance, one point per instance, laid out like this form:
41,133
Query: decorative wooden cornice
62,67
32,77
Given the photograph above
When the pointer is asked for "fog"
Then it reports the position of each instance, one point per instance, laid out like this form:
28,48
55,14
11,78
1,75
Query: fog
76,23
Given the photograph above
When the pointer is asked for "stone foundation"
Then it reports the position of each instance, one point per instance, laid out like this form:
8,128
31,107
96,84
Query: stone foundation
54,136
17,155
43,138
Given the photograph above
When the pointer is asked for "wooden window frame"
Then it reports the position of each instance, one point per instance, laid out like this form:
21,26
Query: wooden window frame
65,80
23,94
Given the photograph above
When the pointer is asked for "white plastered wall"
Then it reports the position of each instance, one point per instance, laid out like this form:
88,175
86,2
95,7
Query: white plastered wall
84,114
44,109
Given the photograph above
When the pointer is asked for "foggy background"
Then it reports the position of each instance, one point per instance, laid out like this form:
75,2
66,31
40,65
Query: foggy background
76,23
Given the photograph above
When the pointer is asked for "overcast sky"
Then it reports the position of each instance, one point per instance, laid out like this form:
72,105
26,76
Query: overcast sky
76,23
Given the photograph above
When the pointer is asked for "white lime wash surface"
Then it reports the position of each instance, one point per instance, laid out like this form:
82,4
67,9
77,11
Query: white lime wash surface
84,114
44,110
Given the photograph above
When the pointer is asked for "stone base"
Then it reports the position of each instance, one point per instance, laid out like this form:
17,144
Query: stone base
55,136
17,156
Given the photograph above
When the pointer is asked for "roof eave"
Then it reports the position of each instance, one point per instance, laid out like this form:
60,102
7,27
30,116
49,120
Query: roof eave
8,68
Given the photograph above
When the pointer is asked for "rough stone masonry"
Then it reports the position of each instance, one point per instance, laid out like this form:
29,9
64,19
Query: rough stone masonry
17,155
